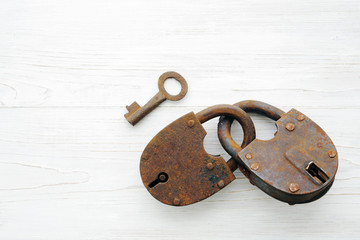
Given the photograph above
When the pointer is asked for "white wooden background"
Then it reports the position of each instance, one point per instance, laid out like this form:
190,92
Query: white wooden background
69,161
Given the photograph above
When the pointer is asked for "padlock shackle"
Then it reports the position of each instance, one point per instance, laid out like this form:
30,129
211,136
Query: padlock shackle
234,113
262,108
224,125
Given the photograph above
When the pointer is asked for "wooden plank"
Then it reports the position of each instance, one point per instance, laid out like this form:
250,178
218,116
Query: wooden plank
69,161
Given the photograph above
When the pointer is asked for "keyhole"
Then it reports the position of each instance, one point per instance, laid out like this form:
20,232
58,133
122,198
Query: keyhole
162,177
317,173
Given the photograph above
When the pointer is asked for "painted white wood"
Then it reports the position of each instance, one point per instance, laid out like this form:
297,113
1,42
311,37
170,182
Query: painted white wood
69,161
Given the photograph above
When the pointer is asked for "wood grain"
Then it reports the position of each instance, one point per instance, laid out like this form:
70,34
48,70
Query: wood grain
69,161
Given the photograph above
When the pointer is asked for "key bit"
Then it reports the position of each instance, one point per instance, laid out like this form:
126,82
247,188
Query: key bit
136,112
132,108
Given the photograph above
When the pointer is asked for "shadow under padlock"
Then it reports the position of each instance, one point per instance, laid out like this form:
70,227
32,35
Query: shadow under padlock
297,166
176,169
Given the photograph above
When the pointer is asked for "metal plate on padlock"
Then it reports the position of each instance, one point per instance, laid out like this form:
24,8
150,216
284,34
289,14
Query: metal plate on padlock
298,165
176,169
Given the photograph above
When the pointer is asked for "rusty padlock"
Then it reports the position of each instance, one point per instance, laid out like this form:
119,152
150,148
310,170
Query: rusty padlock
298,165
176,169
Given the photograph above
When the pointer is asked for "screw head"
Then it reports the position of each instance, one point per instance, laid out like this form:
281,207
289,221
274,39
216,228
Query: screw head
176,201
210,166
248,156
294,187
191,123
221,183
332,154
254,166
300,117
290,127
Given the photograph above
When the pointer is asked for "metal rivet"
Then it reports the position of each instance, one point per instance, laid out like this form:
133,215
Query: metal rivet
294,187
300,117
255,166
176,201
191,123
332,154
210,166
248,156
290,127
221,184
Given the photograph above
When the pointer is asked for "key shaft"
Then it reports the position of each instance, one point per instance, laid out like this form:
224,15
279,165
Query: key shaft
136,113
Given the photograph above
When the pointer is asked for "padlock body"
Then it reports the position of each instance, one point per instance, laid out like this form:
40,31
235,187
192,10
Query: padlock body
298,165
177,152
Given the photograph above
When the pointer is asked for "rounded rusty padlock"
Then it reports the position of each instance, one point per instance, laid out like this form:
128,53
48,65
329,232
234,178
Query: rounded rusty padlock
298,165
176,169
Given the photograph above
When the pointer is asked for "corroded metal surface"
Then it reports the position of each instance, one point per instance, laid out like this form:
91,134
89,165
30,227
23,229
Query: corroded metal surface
136,113
298,165
176,169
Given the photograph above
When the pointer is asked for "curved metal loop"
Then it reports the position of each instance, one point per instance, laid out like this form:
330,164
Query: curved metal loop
224,125
177,77
235,113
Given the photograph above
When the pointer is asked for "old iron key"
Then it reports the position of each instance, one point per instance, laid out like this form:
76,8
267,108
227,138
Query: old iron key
136,113
298,165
